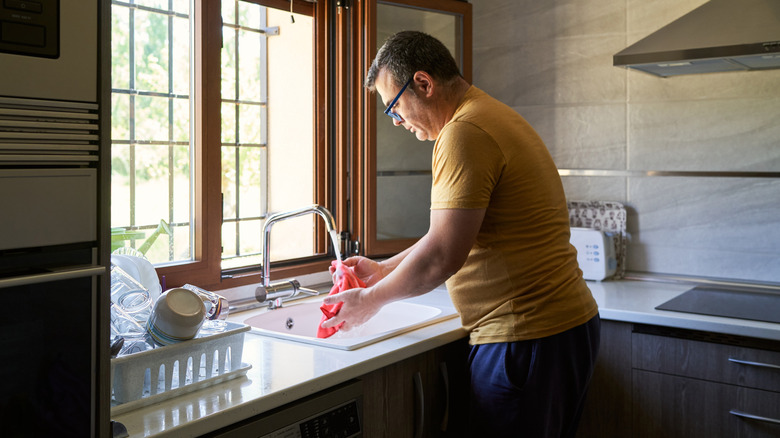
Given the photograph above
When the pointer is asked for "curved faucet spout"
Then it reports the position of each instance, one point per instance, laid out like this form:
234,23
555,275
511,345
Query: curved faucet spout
269,291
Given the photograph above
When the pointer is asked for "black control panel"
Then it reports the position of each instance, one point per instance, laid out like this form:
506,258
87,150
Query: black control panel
30,27
342,422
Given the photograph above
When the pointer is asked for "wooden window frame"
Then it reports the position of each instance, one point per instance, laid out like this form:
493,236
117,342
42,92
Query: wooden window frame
345,137
205,270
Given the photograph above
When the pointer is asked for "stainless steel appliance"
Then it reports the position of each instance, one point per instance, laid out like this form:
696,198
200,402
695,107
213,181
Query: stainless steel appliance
54,361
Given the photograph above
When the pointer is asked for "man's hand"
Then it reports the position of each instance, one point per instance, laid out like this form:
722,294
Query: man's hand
358,308
369,271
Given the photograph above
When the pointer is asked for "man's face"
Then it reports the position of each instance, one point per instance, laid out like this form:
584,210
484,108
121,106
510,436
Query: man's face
410,107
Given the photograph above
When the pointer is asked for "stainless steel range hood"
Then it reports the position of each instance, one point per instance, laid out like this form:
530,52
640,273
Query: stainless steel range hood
719,36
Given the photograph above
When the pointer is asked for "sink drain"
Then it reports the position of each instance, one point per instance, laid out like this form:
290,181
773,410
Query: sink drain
289,323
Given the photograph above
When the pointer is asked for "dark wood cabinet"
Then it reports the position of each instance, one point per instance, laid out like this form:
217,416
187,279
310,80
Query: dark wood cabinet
423,396
607,411
665,382
671,406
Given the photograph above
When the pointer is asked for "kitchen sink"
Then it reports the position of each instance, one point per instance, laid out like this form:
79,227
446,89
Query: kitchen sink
299,322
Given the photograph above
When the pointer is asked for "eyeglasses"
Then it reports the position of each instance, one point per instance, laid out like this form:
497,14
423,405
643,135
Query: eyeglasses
392,104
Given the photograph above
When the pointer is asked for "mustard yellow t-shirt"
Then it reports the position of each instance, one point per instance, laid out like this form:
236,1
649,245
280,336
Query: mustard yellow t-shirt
521,279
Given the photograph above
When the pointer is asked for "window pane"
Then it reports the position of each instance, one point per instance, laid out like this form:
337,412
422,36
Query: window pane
181,120
151,51
120,44
229,248
229,12
250,66
255,65
121,168
120,116
228,64
151,200
251,231
250,124
249,15
181,56
151,118
229,123
229,183
152,190
250,191
182,6
182,196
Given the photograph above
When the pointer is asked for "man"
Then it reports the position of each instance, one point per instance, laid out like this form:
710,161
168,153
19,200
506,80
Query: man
499,237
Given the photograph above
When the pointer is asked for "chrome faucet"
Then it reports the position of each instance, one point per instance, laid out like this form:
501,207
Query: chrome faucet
275,293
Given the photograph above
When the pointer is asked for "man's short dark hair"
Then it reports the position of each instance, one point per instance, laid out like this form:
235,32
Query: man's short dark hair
408,52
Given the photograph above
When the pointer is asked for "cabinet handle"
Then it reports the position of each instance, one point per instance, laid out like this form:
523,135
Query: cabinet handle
755,364
754,417
445,419
418,390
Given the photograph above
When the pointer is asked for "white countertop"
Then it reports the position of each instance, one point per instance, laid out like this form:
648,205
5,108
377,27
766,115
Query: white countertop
284,371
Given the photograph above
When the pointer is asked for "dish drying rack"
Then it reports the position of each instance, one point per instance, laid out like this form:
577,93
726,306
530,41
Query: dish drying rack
148,377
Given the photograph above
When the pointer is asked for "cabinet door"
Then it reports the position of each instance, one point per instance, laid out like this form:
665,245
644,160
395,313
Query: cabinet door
673,406
422,396
390,399
607,411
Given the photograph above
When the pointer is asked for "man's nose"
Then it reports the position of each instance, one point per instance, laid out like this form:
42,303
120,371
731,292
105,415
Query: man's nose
396,122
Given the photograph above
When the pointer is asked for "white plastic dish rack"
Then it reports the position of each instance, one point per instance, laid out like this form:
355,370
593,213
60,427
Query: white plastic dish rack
177,369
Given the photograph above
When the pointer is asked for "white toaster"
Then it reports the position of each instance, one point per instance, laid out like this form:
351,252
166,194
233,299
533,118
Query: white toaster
595,253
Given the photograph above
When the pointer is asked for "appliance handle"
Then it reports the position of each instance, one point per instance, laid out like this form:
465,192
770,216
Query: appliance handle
754,417
60,274
755,364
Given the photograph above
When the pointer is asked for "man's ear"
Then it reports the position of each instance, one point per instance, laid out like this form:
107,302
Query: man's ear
424,83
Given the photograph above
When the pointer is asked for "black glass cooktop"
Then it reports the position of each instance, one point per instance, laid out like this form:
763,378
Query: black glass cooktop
743,303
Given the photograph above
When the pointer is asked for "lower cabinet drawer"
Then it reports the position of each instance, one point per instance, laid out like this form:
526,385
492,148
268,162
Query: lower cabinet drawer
733,364
671,406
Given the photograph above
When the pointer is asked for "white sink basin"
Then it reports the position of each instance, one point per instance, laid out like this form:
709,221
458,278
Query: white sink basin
299,322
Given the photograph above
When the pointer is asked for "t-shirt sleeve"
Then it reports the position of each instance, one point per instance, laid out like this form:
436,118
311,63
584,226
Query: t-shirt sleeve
467,165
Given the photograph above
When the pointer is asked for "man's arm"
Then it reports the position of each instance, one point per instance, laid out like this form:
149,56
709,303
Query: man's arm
424,266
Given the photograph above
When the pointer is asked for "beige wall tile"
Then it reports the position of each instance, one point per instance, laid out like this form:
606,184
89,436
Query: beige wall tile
552,62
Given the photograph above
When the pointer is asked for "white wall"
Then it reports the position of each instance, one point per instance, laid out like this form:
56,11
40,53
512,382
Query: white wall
552,62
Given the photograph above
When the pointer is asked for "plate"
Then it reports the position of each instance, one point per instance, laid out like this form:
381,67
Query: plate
141,270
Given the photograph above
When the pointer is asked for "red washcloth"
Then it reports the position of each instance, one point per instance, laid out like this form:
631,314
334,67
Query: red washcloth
348,280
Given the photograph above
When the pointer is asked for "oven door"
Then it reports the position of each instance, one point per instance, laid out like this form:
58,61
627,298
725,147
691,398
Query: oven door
49,344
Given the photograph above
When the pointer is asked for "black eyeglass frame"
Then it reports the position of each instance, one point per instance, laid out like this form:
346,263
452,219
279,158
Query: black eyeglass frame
389,108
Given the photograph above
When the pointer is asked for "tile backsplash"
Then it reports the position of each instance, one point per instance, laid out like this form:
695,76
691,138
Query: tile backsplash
552,62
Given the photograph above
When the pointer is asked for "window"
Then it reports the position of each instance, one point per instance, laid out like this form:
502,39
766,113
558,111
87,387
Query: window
266,57
224,112
151,133
181,129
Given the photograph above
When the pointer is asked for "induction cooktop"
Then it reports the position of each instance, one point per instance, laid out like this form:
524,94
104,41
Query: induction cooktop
731,302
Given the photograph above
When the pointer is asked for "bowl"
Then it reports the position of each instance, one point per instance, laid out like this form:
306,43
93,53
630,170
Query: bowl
177,316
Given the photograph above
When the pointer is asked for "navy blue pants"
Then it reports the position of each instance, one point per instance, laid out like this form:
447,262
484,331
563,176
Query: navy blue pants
533,388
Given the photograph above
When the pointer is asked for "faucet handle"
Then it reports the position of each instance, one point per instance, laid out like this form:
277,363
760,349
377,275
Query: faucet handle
307,291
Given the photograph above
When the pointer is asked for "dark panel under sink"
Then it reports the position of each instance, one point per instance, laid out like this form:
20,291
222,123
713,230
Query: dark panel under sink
743,303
